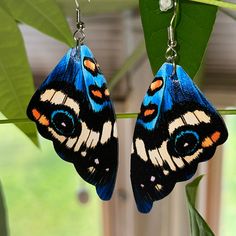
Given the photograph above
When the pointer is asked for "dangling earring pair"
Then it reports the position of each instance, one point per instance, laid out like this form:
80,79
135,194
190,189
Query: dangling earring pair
175,130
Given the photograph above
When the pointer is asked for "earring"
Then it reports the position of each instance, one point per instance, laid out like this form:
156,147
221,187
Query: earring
72,108
175,130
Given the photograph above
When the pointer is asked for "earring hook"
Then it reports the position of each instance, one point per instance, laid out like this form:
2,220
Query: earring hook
174,15
77,3
79,34
171,53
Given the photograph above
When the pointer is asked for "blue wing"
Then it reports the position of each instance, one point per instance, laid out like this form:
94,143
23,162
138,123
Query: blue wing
72,108
172,139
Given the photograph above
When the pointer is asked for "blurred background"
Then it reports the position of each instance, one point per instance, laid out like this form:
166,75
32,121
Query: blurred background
45,196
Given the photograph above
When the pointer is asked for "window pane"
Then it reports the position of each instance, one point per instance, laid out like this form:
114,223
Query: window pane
41,190
228,205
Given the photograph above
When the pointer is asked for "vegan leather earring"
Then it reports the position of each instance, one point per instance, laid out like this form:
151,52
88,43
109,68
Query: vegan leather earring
72,108
175,130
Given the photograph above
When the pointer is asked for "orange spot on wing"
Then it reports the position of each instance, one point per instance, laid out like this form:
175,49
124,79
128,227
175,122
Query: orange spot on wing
107,93
156,85
36,114
97,93
44,121
215,136
90,65
149,112
207,142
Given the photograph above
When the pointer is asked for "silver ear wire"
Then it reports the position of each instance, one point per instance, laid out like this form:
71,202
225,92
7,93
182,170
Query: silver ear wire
77,3
171,53
79,34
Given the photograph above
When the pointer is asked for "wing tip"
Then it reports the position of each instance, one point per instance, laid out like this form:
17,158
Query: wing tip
144,204
105,191
105,196
144,207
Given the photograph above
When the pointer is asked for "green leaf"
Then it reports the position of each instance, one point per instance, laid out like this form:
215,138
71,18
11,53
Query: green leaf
198,225
3,215
15,75
44,15
194,26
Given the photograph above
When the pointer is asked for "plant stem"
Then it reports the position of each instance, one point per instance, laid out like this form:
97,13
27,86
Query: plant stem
131,115
15,121
229,14
217,3
227,112
128,64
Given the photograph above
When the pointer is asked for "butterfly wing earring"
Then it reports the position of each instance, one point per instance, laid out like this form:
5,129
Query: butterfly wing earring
175,130
72,108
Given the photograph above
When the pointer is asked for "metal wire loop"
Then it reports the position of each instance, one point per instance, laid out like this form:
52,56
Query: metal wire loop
79,36
171,54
